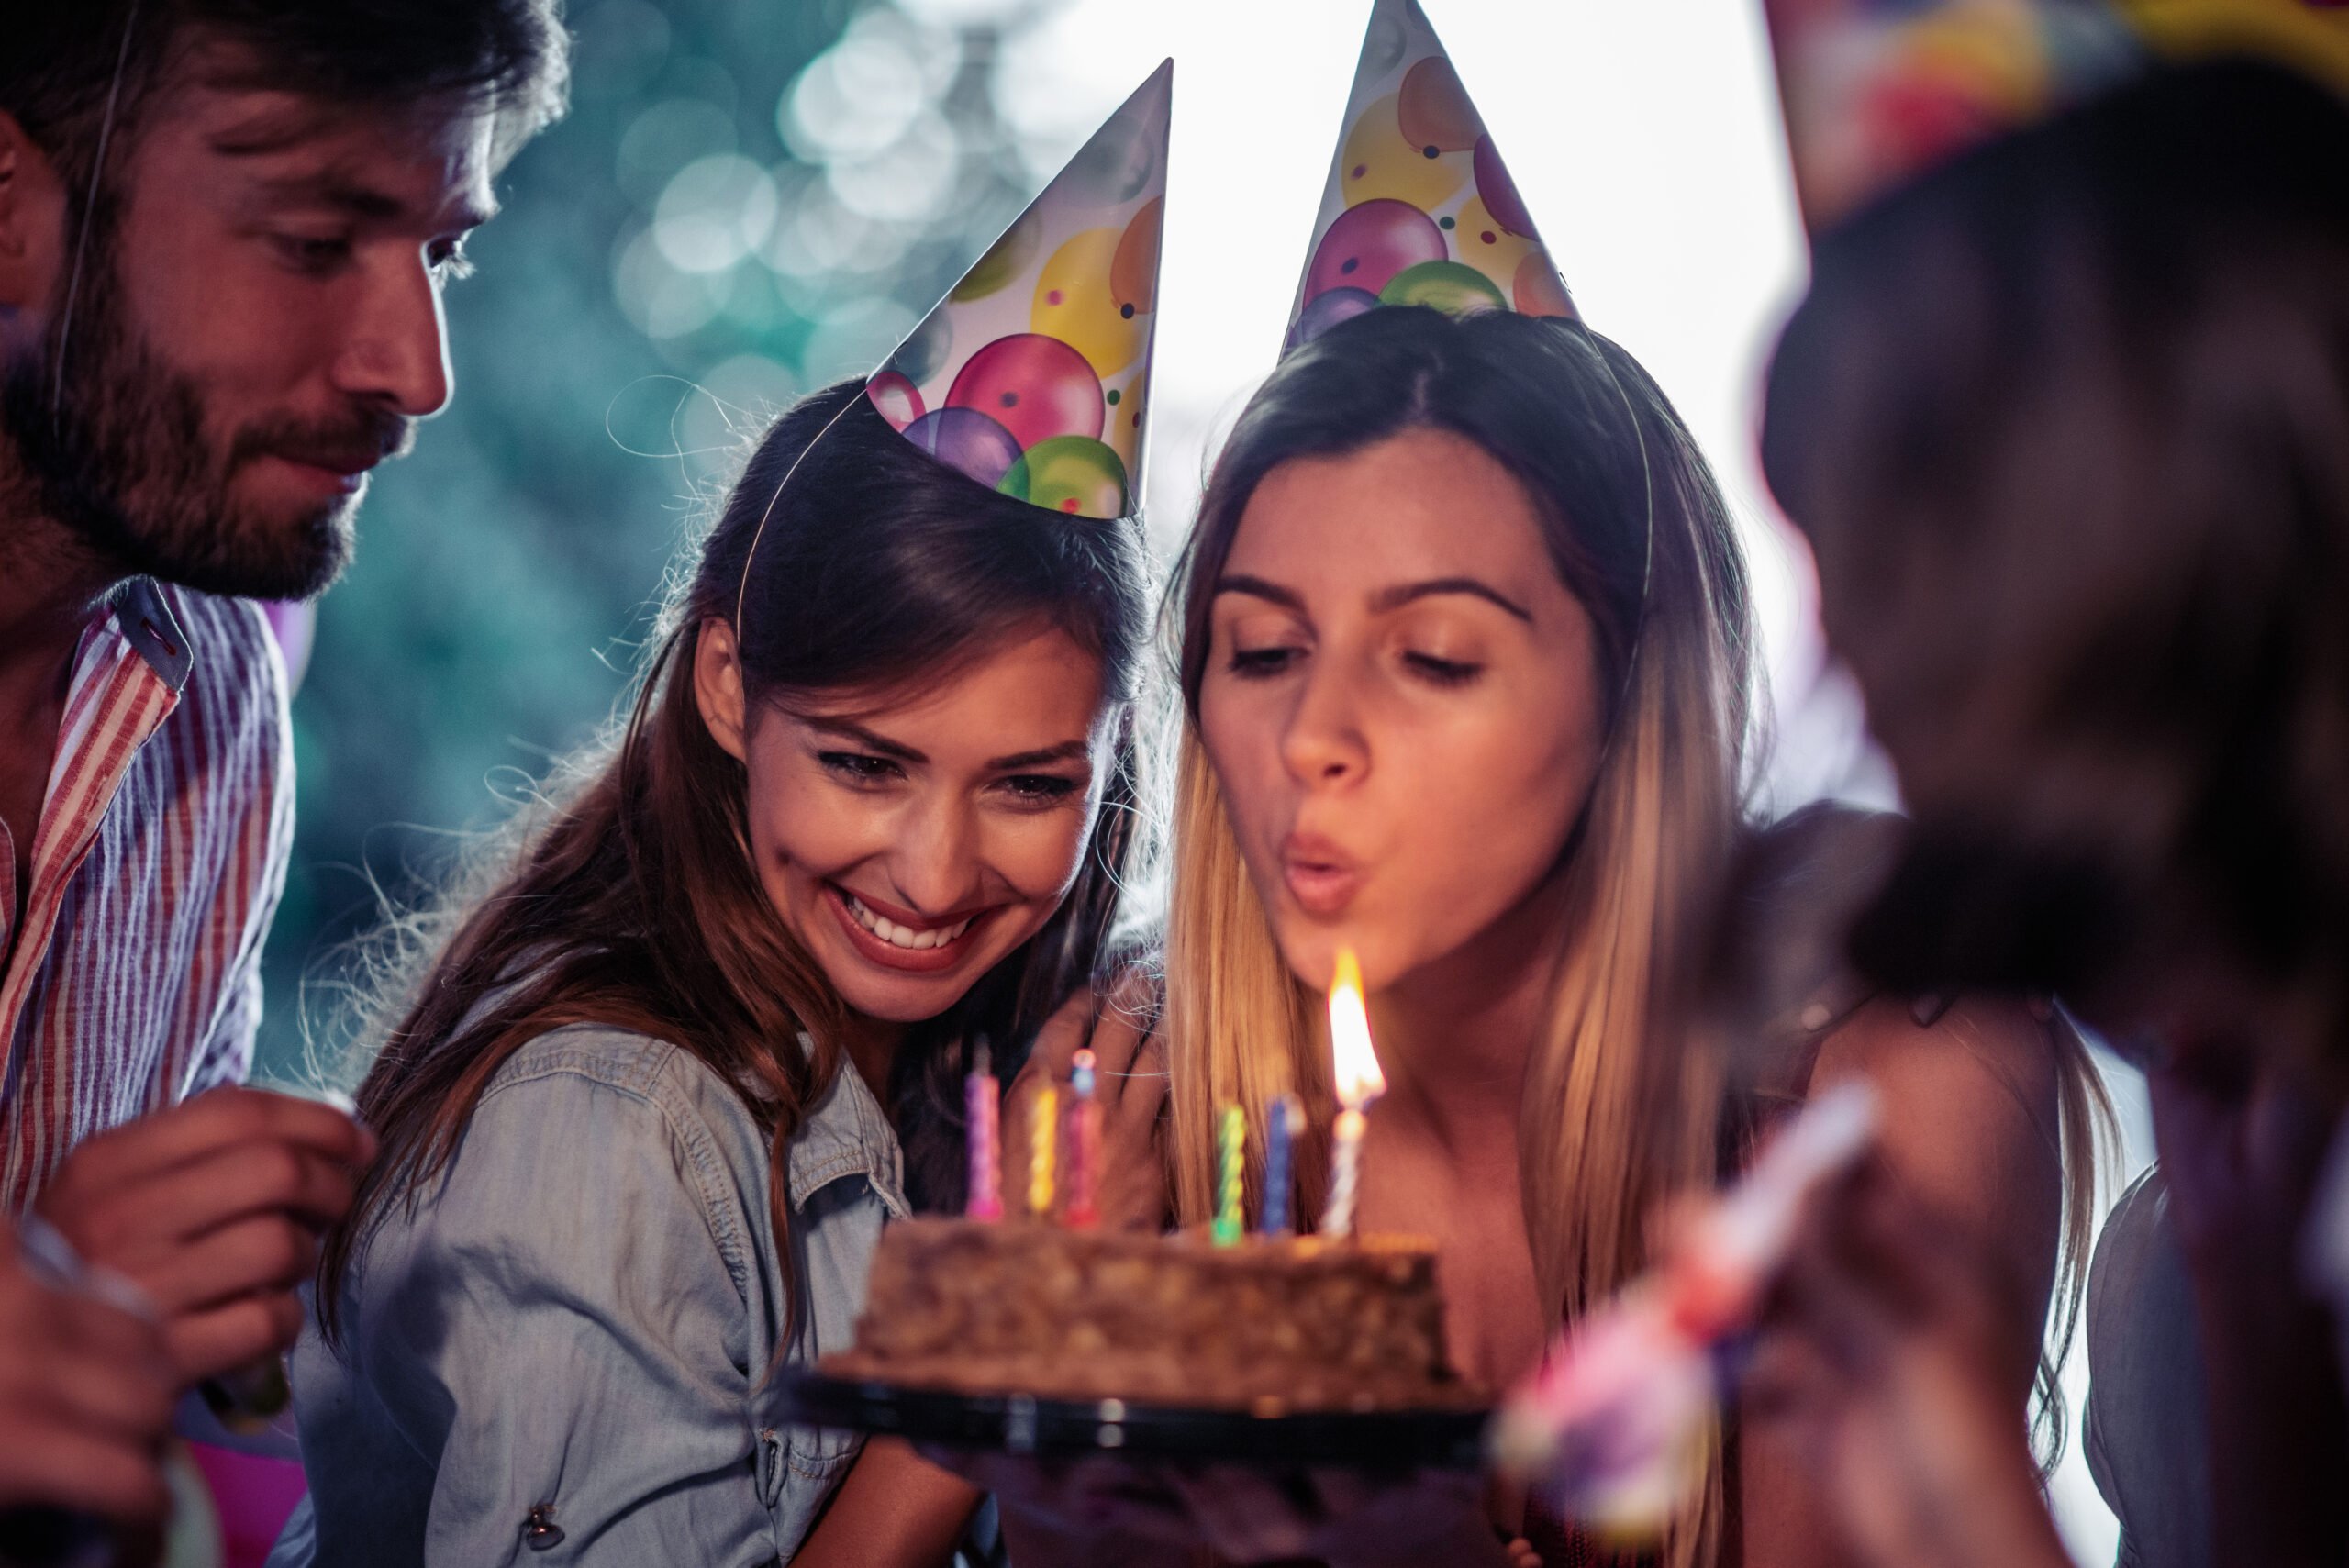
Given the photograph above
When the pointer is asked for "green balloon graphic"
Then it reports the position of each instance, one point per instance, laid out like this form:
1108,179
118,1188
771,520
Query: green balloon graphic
1453,287
1069,473
1006,260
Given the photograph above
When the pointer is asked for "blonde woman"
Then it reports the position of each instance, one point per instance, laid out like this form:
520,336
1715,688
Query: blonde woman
1464,646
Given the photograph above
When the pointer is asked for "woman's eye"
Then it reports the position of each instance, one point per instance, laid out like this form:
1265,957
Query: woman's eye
1039,789
1441,671
859,767
1262,663
310,254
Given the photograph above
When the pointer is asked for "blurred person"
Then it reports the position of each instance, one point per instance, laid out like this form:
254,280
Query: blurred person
224,229
2081,528
700,1033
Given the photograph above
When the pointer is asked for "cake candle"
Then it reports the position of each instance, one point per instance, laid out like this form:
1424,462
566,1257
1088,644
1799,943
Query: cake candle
1359,1081
1043,1135
1231,1144
982,1106
1283,1128
1083,1144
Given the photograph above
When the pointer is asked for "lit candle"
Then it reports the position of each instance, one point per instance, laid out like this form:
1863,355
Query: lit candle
1358,1080
1083,1144
983,1102
1231,1144
1043,1137
1282,1130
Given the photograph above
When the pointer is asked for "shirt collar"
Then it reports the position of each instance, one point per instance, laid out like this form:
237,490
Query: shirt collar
846,1133
145,617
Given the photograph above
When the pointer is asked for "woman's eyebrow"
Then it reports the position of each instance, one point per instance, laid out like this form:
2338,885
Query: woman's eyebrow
1043,758
1402,593
1257,588
870,740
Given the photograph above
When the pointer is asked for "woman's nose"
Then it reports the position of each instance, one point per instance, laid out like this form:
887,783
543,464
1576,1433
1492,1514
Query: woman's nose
1324,743
935,865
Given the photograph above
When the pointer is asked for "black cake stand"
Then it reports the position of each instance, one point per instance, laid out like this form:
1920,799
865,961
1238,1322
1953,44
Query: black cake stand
1440,1438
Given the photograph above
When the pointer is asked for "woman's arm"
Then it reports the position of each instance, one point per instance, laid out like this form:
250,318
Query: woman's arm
895,1510
1969,1134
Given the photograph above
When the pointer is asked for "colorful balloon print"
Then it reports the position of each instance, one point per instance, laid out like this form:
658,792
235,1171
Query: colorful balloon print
1478,239
1453,287
1325,310
899,399
1433,110
1369,244
967,439
1499,191
1133,268
1123,159
1077,303
1006,260
1070,474
1035,387
1537,290
1379,165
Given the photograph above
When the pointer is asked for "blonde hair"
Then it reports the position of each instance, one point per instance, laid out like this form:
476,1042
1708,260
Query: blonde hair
1618,1115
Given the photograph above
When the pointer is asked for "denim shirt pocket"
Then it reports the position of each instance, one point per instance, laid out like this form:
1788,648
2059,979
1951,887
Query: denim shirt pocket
798,1468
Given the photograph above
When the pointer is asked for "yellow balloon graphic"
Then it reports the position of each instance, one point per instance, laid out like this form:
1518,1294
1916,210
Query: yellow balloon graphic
1377,162
1478,240
1076,304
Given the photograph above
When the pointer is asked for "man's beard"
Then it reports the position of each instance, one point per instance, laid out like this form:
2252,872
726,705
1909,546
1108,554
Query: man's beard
123,462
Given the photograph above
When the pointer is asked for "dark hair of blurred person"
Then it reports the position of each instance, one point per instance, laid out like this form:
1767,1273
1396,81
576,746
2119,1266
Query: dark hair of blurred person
224,229
685,894
2067,421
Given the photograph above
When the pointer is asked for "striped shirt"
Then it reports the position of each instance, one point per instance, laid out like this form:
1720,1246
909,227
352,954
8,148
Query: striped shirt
160,850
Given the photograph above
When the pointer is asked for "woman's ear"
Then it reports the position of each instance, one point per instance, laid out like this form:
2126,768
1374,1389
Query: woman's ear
718,688
32,221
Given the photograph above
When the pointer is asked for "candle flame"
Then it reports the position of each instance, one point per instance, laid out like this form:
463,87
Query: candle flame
1359,1081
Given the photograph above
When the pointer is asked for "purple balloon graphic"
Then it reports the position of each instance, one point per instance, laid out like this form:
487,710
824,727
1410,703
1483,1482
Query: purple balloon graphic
1500,191
1324,311
1369,243
967,439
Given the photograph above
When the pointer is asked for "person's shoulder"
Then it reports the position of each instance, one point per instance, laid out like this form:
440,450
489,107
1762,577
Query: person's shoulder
591,1058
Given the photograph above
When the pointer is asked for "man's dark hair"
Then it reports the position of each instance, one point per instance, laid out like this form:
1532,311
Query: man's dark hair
66,58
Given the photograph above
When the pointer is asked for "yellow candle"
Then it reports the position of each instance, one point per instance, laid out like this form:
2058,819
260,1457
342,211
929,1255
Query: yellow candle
1043,1140
1232,1143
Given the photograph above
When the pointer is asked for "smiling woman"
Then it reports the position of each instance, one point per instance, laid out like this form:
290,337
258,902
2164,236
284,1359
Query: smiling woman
650,1087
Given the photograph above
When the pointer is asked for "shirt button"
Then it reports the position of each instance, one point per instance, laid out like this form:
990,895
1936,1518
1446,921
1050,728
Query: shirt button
539,1533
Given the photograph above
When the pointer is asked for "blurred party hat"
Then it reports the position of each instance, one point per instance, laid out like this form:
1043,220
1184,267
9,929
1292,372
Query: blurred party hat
1420,209
1879,91
1033,375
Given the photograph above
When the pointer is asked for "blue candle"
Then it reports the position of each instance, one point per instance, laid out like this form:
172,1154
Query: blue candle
1287,1119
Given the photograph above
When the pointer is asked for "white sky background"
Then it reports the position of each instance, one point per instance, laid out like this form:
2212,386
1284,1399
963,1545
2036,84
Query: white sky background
1645,136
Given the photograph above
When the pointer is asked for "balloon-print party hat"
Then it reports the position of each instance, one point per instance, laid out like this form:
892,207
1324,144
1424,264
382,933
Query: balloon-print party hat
1879,91
1420,209
1033,375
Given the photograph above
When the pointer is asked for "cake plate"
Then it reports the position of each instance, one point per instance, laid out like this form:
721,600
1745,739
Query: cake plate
1436,1438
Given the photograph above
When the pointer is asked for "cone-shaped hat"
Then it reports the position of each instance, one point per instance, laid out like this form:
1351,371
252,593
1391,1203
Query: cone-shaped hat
1420,209
1033,375
1879,91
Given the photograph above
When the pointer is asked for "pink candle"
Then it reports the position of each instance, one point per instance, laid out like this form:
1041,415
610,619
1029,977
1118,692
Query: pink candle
1083,1144
984,1100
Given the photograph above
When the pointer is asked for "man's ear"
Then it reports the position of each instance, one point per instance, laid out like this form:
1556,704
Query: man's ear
718,688
32,221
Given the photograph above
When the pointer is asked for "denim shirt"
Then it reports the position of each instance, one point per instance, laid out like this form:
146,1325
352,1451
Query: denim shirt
561,1354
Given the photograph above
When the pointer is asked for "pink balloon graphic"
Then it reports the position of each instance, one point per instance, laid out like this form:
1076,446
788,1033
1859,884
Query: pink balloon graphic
1034,386
898,400
967,439
1369,243
1500,191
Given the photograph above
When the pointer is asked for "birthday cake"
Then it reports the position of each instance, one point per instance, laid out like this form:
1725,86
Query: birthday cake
1275,1325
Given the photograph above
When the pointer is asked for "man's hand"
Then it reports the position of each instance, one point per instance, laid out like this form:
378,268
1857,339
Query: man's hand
214,1210
86,1392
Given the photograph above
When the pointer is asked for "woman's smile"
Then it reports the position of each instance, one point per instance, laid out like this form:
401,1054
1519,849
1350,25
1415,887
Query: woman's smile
896,938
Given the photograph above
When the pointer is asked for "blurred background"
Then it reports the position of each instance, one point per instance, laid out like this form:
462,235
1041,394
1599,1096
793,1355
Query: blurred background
748,201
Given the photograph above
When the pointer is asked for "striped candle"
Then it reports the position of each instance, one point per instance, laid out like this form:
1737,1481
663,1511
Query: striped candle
1283,1128
1232,1146
1043,1138
983,1104
1083,1144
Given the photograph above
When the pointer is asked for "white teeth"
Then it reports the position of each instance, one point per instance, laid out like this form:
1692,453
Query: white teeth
898,936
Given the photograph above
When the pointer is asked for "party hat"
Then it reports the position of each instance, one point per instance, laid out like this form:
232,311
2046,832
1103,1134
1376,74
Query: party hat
1420,209
1879,91
1033,375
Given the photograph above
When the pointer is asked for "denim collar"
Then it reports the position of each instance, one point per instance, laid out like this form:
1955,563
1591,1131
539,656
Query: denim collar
846,1133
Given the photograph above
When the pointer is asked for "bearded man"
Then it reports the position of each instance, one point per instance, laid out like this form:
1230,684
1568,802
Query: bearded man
225,228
